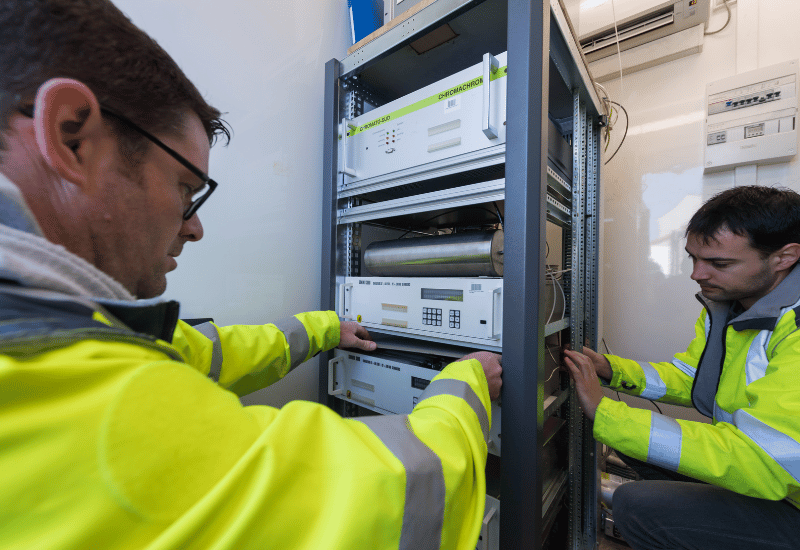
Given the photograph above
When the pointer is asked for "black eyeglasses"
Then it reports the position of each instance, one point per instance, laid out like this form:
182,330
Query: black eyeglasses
200,196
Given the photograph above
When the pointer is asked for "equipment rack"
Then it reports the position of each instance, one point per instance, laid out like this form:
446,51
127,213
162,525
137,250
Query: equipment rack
547,79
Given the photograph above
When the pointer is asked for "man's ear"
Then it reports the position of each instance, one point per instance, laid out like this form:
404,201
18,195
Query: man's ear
68,124
787,256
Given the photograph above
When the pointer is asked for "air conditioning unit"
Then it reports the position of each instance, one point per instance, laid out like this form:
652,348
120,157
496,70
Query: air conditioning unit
638,22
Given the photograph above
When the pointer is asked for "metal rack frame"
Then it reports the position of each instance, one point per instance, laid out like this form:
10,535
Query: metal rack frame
539,37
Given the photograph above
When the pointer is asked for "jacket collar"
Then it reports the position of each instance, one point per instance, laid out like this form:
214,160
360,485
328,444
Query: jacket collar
156,319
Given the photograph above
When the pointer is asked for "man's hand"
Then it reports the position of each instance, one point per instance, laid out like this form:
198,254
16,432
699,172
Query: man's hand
491,368
354,336
583,370
601,365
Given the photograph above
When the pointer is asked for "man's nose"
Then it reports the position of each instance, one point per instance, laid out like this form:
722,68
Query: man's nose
192,229
699,272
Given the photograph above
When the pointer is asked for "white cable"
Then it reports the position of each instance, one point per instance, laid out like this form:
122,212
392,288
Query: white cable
553,309
563,299
610,121
560,272
606,101
552,275
619,52
727,21
555,370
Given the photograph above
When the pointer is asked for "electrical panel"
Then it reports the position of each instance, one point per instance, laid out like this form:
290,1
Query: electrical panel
442,310
453,116
751,118
447,310
455,120
391,383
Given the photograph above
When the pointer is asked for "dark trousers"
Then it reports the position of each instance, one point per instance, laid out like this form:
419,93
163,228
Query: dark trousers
662,513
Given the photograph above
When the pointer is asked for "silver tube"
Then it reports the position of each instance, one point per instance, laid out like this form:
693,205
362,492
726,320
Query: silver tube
459,255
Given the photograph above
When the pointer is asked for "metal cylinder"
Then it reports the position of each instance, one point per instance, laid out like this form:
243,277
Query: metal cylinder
459,255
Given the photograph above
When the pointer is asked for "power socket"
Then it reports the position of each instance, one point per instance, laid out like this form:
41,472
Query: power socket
720,5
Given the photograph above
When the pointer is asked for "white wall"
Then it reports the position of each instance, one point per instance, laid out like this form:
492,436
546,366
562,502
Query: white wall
656,182
262,63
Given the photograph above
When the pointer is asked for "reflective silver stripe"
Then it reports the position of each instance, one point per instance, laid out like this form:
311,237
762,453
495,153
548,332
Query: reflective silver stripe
665,442
782,448
757,361
655,388
210,331
721,415
685,368
423,512
448,386
708,325
297,337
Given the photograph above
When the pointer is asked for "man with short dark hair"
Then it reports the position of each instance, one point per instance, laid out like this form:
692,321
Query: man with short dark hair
742,370
120,425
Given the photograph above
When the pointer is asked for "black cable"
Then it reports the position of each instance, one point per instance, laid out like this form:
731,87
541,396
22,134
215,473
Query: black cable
499,217
450,212
627,120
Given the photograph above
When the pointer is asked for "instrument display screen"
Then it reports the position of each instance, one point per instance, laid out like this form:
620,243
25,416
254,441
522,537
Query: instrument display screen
444,294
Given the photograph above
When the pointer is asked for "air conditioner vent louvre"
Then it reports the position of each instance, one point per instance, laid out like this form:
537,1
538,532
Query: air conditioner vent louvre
628,31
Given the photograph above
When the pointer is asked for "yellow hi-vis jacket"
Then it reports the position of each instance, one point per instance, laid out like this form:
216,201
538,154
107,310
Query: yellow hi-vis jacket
114,439
743,371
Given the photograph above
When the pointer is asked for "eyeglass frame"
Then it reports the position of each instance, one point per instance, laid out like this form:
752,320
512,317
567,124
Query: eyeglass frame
196,204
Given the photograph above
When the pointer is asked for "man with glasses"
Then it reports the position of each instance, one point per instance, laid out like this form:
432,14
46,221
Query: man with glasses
120,425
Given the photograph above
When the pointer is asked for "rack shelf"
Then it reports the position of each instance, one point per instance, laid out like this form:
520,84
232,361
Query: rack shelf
478,193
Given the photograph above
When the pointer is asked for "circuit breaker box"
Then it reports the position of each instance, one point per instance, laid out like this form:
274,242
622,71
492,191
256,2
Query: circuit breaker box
751,118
